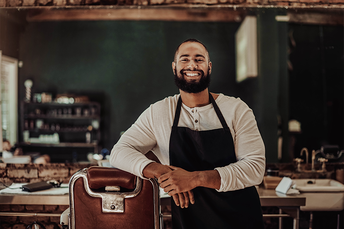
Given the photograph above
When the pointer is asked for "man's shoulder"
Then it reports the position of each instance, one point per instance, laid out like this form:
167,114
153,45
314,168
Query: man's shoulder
228,99
231,102
160,111
167,102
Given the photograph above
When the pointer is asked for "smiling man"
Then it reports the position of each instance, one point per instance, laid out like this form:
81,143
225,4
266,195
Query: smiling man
210,150
194,73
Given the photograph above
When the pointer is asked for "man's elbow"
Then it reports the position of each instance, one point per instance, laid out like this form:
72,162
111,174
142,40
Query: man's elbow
259,170
113,156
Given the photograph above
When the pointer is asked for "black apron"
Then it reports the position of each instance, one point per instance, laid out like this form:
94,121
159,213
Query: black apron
206,150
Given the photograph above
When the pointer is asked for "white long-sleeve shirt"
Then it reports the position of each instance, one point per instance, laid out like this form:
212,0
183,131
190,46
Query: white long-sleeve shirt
152,131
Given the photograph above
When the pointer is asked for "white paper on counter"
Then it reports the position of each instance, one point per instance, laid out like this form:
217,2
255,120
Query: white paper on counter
284,185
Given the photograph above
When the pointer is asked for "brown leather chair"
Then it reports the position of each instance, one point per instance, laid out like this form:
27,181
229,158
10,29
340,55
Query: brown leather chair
102,197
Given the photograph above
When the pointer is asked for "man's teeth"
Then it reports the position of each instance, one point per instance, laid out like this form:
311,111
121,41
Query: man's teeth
192,74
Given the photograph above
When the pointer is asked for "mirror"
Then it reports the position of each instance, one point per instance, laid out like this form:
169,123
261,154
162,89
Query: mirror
123,56
316,74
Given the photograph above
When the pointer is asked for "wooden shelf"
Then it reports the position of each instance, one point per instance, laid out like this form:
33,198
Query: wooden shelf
61,144
60,131
81,117
62,104
70,118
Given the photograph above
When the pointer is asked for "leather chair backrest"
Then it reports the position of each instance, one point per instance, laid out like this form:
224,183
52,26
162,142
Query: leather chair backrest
88,199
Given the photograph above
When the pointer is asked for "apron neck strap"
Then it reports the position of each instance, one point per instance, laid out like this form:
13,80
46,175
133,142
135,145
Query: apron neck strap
217,110
177,114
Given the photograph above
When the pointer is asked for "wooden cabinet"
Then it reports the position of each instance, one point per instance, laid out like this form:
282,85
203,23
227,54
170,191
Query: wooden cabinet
60,125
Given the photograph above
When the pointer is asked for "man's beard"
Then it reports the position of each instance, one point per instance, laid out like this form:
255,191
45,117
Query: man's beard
192,87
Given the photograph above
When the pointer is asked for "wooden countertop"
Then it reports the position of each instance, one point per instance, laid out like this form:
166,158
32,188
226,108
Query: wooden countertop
268,197
34,199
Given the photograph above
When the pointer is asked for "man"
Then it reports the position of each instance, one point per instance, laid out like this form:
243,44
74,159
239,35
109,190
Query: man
209,146
8,151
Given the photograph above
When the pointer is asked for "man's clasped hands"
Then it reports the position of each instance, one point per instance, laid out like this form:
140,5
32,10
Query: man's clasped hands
175,181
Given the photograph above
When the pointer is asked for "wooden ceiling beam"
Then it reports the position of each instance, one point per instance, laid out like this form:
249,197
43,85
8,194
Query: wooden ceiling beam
331,17
148,14
194,14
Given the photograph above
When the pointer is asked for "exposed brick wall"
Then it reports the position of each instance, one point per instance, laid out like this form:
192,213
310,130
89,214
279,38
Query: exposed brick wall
17,222
250,3
21,173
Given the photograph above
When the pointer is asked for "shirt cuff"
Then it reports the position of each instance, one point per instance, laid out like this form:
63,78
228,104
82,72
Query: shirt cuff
224,179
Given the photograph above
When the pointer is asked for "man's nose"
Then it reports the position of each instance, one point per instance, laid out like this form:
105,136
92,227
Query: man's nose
192,65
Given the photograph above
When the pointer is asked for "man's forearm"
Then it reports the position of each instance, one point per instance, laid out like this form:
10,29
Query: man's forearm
155,170
180,180
208,179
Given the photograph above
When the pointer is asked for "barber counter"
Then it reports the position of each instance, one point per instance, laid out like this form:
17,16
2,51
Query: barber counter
288,205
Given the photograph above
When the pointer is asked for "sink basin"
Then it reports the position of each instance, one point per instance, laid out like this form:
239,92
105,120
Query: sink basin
318,185
321,194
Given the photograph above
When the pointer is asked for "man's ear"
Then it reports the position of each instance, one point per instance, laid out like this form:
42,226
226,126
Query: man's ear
210,65
174,67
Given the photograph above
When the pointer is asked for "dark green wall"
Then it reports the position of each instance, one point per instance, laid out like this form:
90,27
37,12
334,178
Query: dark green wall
125,65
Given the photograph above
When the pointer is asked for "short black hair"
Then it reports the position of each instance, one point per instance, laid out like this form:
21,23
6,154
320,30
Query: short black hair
190,40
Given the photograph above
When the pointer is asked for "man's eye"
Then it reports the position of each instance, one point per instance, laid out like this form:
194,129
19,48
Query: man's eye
199,60
184,60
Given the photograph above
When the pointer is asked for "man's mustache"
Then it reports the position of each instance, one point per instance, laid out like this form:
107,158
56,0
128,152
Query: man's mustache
188,70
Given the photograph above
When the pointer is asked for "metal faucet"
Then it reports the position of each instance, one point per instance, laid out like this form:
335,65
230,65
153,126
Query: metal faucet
314,153
298,162
313,159
323,167
306,151
321,160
